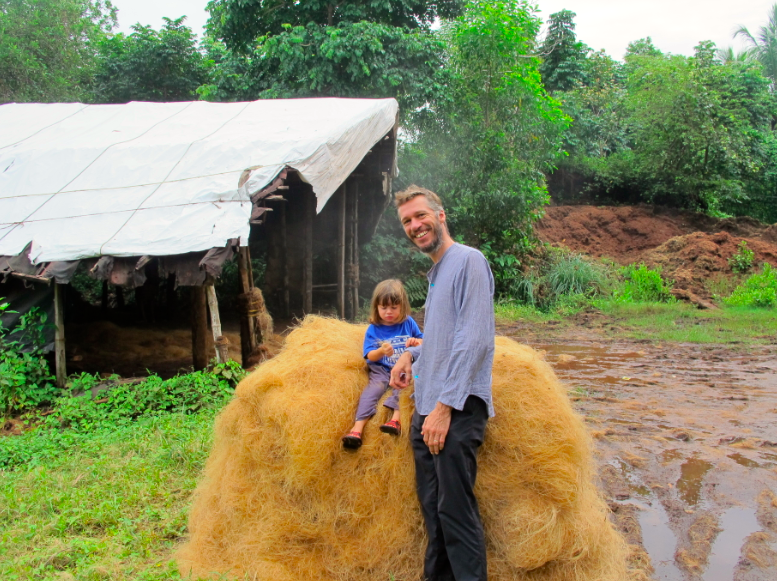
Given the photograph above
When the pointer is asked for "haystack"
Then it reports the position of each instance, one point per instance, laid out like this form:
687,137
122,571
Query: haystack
282,501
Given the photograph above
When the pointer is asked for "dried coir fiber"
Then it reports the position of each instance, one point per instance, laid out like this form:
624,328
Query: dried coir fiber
282,501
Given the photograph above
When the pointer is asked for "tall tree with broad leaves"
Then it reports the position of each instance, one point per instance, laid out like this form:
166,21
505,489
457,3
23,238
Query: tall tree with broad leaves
239,22
763,47
47,47
488,143
149,65
563,56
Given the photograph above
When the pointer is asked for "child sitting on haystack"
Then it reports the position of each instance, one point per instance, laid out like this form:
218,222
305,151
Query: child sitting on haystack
391,331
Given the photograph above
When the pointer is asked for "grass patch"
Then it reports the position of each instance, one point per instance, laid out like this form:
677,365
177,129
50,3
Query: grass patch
510,312
115,507
683,323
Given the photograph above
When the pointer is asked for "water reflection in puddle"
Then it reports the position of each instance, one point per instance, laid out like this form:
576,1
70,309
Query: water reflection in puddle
737,525
659,541
691,478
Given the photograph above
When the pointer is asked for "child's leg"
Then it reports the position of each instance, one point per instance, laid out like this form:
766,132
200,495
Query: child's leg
392,402
368,402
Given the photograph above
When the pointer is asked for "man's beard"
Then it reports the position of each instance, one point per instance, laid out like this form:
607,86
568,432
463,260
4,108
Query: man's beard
435,244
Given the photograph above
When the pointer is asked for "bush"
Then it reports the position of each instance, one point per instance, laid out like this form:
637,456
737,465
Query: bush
759,290
742,261
25,379
572,274
643,285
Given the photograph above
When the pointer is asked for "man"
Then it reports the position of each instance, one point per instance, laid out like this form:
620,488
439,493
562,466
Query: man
452,373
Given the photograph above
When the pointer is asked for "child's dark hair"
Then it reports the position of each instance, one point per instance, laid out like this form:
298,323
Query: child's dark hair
389,292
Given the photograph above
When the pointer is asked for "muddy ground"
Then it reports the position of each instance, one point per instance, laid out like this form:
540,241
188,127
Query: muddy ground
686,442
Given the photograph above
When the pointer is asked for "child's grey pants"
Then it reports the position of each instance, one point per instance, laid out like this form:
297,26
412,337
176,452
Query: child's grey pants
376,387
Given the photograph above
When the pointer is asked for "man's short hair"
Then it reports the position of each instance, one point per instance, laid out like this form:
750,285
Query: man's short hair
432,199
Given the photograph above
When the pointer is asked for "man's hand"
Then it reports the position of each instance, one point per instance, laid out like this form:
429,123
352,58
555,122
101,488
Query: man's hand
401,372
435,428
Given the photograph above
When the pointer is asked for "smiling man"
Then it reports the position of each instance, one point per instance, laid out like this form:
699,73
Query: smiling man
452,375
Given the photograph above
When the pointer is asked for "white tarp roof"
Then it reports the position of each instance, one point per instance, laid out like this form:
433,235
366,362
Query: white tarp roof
162,178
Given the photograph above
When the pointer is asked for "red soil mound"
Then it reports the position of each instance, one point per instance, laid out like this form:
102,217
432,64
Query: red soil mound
689,247
692,259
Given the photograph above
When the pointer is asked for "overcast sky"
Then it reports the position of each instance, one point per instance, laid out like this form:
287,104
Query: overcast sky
675,26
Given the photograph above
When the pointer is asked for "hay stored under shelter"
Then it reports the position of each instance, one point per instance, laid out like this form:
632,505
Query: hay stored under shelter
281,500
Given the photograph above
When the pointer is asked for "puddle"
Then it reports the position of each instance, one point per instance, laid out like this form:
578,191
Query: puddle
668,455
659,541
744,460
692,474
737,525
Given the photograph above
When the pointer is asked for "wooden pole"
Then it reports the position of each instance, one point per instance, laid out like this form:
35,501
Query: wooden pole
355,251
309,204
199,328
59,335
285,258
247,323
341,253
215,318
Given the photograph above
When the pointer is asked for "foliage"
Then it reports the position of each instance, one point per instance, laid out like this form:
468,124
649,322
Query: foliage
643,285
149,65
25,379
240,22
764,46
91,406
563,64
485,146
417,288
361,59
759,290
114,506
743,260
47,47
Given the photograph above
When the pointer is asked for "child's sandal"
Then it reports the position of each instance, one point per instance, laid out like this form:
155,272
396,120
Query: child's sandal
352,440
391,427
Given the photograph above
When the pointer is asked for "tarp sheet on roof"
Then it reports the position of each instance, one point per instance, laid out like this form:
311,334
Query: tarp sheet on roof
79,181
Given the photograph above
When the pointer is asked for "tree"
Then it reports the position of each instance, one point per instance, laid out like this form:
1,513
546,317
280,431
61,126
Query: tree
149,66
240,22
764,46
47,47
350,60
486,145
563,56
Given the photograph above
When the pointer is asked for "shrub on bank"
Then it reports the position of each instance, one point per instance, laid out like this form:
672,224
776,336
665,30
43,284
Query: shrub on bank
759,290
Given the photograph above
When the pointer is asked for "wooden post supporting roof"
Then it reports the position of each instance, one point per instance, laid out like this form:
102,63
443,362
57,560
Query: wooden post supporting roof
247,336
59,335
215,322
341,258
352,294
309,209
199,328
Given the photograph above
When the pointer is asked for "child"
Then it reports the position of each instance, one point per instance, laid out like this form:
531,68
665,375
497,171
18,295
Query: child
392,330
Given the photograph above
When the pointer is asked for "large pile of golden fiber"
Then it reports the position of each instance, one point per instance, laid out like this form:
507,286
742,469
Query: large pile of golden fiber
282,501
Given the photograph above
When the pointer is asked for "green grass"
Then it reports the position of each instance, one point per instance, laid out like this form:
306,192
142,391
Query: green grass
678,322
508,312
114,507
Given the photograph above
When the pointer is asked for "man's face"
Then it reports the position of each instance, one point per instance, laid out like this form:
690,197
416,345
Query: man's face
422,224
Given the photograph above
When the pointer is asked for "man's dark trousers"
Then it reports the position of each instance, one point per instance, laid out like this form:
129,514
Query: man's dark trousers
445,485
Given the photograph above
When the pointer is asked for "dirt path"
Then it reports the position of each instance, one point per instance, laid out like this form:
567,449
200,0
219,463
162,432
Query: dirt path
686,441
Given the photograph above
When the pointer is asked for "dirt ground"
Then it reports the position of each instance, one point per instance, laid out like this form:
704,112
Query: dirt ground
686,442
690,248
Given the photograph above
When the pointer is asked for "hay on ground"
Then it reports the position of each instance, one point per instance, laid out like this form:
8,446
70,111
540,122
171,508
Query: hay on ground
282,501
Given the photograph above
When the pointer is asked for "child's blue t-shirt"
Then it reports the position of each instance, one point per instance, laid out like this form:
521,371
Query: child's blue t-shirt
397,335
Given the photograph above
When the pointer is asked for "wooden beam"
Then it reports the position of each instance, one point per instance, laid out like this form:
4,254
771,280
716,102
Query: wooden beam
199,328
215,319
59,335
355,250
341,252
285,258
247,322
309,205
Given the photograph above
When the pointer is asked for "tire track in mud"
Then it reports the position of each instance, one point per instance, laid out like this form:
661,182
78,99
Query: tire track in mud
686,441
